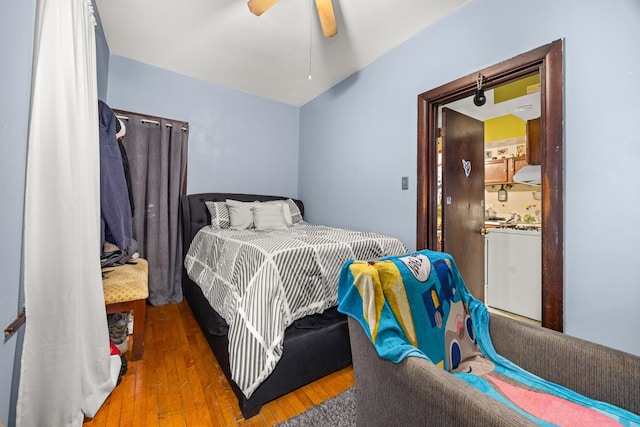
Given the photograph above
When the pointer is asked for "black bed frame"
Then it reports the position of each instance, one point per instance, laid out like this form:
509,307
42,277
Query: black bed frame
313,347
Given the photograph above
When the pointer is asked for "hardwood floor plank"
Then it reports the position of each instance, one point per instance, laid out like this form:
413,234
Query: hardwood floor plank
197,394
170,401
303,398
316,394
178,382
115,406
181,357
206,370
139,401
268,416
291,405
128,392
276,411
150,387
256,421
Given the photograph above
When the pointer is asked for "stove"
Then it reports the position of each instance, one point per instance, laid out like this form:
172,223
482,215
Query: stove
521,226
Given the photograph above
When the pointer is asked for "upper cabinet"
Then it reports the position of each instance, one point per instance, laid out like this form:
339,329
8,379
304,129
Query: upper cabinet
501,171
496,171
515,164
534,143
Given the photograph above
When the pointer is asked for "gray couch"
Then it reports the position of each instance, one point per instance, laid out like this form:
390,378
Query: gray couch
417,393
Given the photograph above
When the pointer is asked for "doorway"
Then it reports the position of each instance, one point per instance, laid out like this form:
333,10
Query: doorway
547,61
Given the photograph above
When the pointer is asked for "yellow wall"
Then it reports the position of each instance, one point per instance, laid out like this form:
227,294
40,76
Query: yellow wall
515,89
504,127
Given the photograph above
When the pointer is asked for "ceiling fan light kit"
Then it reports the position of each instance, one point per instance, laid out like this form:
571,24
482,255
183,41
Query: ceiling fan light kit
325,13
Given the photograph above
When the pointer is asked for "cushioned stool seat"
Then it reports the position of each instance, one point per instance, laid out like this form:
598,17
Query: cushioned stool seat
126,288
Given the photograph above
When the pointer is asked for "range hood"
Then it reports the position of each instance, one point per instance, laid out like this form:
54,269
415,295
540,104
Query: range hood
529,175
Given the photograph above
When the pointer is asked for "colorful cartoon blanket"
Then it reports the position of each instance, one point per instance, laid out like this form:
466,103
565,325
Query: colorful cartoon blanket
418,305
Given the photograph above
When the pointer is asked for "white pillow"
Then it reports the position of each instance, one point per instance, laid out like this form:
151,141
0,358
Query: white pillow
240,214
269,216
287,214
286,210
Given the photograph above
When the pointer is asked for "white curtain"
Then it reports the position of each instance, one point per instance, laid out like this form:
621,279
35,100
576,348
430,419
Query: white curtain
67,371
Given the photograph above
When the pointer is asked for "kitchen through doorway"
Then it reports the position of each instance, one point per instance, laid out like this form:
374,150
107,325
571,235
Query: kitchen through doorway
509,279
546,61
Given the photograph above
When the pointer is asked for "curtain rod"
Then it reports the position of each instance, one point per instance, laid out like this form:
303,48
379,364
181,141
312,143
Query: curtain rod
153,122
13,327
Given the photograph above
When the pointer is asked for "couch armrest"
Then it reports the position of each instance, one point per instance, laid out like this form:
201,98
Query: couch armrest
590,369
416,392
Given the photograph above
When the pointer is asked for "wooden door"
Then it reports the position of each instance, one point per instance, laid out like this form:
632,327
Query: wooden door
463,196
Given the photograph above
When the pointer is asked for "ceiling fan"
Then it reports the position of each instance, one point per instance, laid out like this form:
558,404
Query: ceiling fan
325,13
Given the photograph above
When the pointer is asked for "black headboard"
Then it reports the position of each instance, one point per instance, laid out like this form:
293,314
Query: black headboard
195,214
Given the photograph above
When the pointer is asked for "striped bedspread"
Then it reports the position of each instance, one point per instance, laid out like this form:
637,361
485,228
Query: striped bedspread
261,281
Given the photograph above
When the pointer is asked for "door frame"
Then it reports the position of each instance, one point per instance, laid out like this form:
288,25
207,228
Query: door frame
548,61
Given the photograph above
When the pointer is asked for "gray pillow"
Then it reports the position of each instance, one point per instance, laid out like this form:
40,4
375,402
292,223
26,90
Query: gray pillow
296,216
219,214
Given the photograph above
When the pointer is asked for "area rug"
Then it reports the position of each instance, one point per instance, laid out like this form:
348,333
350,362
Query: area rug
339,411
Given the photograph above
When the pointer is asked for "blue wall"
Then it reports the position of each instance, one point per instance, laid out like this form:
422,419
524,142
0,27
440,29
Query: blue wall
350,170
16,45
237,142
102,57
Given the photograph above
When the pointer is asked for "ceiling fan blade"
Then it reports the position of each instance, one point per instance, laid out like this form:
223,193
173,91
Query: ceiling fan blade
258,7
327,18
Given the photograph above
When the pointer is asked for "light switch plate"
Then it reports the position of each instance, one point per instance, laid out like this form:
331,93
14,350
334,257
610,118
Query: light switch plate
405,182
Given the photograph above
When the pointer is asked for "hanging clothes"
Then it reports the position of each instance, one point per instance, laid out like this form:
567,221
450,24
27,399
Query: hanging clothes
115,209
121,131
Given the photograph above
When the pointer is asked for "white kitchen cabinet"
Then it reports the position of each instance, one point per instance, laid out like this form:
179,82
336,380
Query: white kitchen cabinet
514,271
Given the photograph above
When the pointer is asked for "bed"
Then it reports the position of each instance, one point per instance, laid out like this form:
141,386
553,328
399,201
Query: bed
314,340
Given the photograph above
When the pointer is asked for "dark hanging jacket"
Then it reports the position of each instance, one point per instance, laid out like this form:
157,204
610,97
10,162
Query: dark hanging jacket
115,209
127,170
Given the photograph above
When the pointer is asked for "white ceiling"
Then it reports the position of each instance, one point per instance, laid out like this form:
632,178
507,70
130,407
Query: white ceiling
526,107
220,41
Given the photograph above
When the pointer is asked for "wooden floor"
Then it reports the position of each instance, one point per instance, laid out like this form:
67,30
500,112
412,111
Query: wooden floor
179,382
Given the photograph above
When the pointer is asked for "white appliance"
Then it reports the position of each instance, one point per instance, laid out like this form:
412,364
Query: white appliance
513,279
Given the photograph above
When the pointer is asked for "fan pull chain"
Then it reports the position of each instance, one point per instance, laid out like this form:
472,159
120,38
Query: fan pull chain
310,33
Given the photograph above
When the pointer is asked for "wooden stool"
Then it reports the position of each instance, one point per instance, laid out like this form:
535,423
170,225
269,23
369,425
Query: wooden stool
126,288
